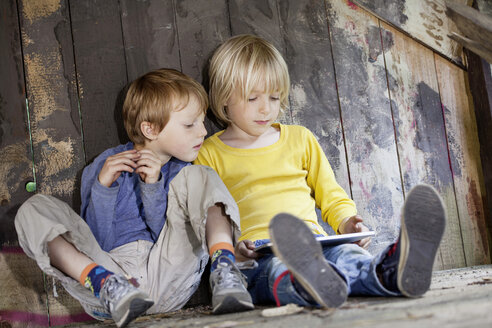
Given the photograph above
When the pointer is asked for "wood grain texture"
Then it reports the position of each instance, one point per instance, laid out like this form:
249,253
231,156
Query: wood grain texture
422,143
480,77
101,72
366,116
150,36
425,21
475,28
464,145
259,18
202,26
16,160
53,103
314,99
52,96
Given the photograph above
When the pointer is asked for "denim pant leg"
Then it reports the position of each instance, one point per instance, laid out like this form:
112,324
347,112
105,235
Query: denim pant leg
358,267
261,281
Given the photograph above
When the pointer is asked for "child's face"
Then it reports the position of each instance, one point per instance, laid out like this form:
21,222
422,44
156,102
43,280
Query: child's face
256,114
183,135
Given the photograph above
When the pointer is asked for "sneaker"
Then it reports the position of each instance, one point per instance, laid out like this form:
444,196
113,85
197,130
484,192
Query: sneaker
408,264
124,301
295,245
229,293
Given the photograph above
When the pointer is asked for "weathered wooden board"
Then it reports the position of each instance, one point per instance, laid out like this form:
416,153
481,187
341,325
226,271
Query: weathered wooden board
101,71
150,36
474,29
202,26
23,301
53,103
467,171
366,117
15,146
259,18
480,76
52,96
425,21
314,99
422,144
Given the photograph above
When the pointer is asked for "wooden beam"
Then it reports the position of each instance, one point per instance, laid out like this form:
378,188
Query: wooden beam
480,79
475,27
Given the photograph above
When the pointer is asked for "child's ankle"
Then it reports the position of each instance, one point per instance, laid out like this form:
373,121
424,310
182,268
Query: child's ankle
219,250
93,278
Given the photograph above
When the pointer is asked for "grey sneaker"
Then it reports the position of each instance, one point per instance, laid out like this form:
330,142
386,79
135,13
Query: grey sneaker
124,301
295,245
229,293
407,266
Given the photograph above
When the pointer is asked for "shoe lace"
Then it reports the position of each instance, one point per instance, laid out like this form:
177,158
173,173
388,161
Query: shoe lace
113,289
228,275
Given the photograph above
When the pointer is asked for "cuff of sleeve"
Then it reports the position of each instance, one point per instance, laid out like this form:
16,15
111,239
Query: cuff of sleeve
340,216
150,188
104,191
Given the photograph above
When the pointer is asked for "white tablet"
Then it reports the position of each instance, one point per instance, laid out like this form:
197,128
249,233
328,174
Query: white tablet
326,241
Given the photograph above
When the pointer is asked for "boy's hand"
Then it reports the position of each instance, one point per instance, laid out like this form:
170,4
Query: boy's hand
244,251
114,165
148,166
354,224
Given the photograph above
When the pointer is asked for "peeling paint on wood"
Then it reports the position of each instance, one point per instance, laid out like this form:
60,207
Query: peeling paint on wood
53,106
422,145
38,9
423,20
366,116
15,159
465,161
314,101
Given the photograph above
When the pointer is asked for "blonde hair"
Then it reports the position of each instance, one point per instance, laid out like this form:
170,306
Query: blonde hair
153,96
246,61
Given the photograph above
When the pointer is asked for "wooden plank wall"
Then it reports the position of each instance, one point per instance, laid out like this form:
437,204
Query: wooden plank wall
389,111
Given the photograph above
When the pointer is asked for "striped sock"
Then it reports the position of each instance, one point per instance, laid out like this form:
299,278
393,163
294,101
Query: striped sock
218,250
93,278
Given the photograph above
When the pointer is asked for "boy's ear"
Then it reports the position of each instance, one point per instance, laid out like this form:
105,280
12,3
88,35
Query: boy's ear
148,130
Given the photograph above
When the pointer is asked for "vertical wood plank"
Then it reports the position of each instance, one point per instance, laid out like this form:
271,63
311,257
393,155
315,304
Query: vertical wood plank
421,132
101,72
314,99
150,36
464,145
15,147
261,18
52,96
53,104
258,18
23,301
202,26
367,119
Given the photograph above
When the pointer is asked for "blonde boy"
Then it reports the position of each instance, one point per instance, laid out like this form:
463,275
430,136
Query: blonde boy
147,213
271,168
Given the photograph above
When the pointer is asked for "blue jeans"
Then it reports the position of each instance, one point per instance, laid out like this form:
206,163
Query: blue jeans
353,263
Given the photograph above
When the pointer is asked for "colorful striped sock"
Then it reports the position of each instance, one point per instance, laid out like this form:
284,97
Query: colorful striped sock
93,278
218,250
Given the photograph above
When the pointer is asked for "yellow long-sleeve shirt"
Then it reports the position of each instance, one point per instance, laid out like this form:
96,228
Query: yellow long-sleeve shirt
292,175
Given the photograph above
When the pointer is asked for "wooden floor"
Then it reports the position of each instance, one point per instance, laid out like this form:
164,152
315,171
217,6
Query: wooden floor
457,298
